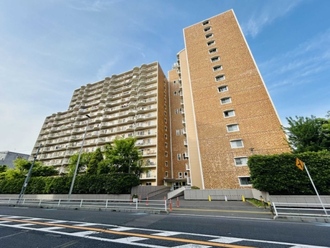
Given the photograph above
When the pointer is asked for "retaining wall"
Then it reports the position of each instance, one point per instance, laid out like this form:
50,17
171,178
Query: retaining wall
73,196
224,194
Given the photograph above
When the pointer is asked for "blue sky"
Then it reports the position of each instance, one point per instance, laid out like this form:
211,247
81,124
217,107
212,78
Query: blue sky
49,48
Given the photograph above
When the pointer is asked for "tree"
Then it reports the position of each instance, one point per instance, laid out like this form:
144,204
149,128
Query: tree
96,158
22,167
85,157
123,156
308,133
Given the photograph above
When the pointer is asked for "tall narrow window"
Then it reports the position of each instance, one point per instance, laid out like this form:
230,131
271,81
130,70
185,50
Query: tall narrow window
213,50
222,88
214,59
229,113
220,78
236,143
241,161
217,68
206,22
225,100
208,35
232,128
244,181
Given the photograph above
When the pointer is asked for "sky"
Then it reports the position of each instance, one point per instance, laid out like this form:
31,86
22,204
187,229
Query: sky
49,48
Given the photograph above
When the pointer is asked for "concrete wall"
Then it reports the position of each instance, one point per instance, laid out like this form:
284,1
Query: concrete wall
300,198
230,194
149,191
65,196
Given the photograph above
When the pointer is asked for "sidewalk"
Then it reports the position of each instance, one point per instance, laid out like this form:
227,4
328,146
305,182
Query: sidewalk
219,208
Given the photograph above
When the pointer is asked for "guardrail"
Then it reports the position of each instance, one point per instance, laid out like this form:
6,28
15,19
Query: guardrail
134,204
300,209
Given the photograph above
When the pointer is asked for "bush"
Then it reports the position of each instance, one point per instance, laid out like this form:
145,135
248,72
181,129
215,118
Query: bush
277,174
119,183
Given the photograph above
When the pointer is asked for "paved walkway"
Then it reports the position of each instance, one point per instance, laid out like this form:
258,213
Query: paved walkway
219,208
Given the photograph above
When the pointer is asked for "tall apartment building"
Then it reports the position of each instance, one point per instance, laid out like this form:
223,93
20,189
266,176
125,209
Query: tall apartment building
221,112
198,128
130,104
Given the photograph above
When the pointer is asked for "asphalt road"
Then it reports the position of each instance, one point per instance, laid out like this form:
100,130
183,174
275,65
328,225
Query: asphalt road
35,227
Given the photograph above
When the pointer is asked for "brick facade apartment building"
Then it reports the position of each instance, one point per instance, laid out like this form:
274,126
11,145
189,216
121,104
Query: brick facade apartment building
198,127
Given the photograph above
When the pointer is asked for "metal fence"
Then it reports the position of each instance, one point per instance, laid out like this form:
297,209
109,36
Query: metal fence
134,204
300,209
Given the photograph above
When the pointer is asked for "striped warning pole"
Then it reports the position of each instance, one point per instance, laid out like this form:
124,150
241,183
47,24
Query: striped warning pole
177,202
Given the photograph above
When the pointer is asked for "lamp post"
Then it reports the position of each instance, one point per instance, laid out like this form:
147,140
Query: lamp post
27,178
78,161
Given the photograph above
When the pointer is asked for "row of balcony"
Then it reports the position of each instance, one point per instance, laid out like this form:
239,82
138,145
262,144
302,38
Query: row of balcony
140,82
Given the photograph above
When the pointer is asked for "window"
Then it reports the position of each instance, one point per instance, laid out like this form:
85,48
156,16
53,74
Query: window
236,144
166,154
244,181
217,58
208,35
206,22
166,173
207,29
225,100
166,164
232,128
217,68
180,174
186,174
220,78
210,43
178,156
166,144
148,174
213,50
222,88
177,132
241,161
229,113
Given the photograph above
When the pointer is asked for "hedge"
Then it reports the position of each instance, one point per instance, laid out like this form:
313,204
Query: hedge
84,184
278,174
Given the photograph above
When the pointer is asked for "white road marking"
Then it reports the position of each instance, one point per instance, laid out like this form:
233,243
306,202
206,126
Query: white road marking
226,240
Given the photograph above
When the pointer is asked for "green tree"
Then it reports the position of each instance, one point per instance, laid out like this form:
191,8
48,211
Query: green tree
96,158
85,157
3,168
308,133
123,156
22,167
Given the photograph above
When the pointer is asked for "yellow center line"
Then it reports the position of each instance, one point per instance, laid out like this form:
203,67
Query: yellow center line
182,240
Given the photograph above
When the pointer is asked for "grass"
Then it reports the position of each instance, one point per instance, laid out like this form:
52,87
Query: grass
257,203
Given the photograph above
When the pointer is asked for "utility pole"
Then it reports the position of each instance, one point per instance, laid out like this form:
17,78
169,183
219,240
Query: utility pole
26,181
78,161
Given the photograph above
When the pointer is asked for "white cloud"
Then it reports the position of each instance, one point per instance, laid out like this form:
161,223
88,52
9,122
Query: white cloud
92,6
267,14
300,65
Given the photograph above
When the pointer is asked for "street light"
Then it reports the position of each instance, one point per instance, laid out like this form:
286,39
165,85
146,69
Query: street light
27,178
78,161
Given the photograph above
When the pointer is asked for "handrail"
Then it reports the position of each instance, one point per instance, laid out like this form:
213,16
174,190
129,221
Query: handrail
122,204
300,209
